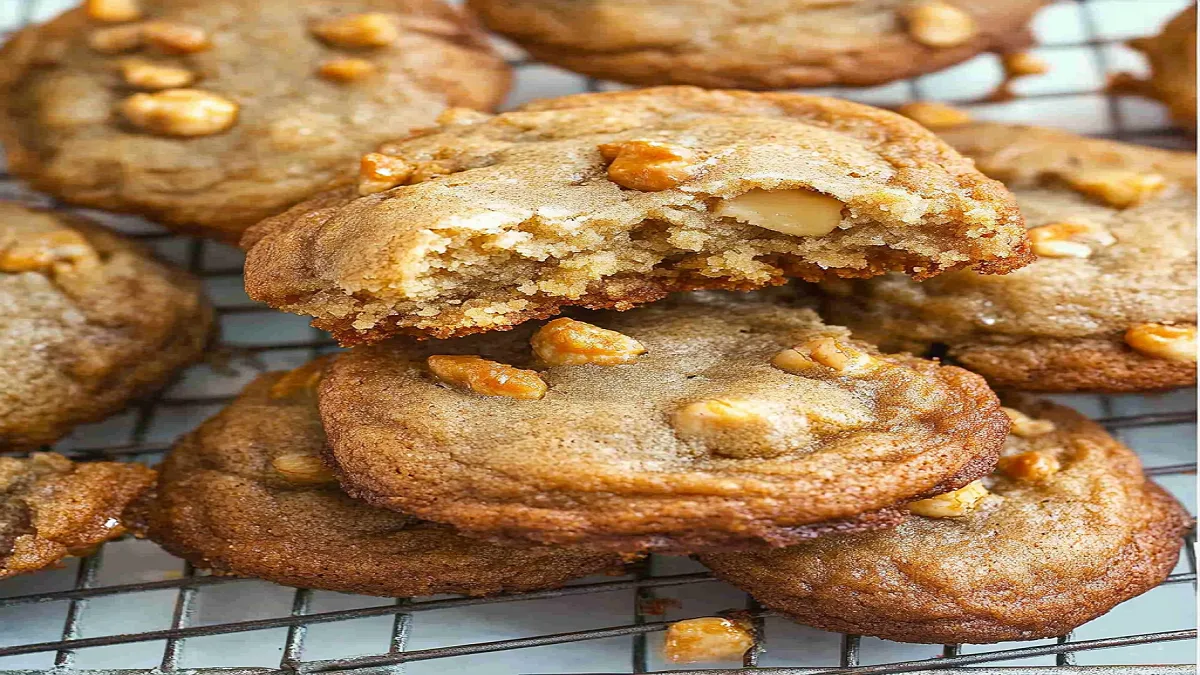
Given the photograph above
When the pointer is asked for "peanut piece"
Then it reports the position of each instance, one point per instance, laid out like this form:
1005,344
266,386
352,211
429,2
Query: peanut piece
148,75
824,351
952,504
647,166
1020,64
175,38
462,116
303,469
1163,341
939,24
1024,426
932,115
371,29
116,39
799,213
378,172
488,378
346,70
709,638
740,428
180,112
1030,466
1120,188
299,381
47,251
1069,239
567,342
113,11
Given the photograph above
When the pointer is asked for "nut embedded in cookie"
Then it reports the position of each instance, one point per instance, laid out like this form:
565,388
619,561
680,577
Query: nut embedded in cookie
742,428
180,112
485,377
954,504
939,24
1163,341
800,213
370,29
567,342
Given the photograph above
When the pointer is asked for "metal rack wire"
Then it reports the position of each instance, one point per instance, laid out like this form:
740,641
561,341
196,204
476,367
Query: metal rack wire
643,582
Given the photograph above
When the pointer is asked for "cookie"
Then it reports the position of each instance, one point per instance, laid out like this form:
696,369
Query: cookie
210,115
700,423
1066,529
246,493
1172,56
778,44
616,199
51,508
1109,305
89,321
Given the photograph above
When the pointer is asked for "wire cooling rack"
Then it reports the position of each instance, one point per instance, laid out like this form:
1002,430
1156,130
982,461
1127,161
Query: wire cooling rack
131,608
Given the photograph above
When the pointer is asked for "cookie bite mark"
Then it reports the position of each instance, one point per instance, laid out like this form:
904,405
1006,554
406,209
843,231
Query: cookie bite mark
614,200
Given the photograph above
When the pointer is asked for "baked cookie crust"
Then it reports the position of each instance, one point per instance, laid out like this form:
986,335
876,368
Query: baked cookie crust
1069,529
616,199
209,116
701,423
246,493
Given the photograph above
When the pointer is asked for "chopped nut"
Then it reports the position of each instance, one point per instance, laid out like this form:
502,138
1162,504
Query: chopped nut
1163,341
47,251
952,504
567,342
148,75
378,172
371,29
116,39
1030,466
1019,64
180,112
741,428
346,70
827,352
1120,188
303,469
939,24
934,115
1068,239
799,213
113,10
299,381
488,378
462,116
709,638
175,38
1025,426
648,166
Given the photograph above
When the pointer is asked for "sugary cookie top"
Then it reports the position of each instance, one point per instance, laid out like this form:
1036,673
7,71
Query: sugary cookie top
1114,226
1064,529
51,507
701,420
770,44
213,115
248,493
553,204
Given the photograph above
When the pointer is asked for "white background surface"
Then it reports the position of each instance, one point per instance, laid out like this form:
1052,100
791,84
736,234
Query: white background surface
1081,41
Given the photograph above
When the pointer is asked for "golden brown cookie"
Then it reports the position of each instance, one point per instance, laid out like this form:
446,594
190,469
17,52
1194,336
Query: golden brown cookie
1110,305
616,199
770,44
211,115
700,423
89,321
247,493
51,507
1172,56
1065,529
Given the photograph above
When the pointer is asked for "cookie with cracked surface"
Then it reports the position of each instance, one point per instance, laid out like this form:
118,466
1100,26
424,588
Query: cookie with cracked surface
89,321
52,508
698,423
247,493
209,115
1066,529
1109,305
616,199
777,44
1172,56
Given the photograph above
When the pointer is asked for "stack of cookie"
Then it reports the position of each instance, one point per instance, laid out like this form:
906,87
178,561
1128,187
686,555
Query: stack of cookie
573,337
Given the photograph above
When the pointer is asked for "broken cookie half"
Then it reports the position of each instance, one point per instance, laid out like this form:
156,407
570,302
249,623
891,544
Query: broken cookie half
616,199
